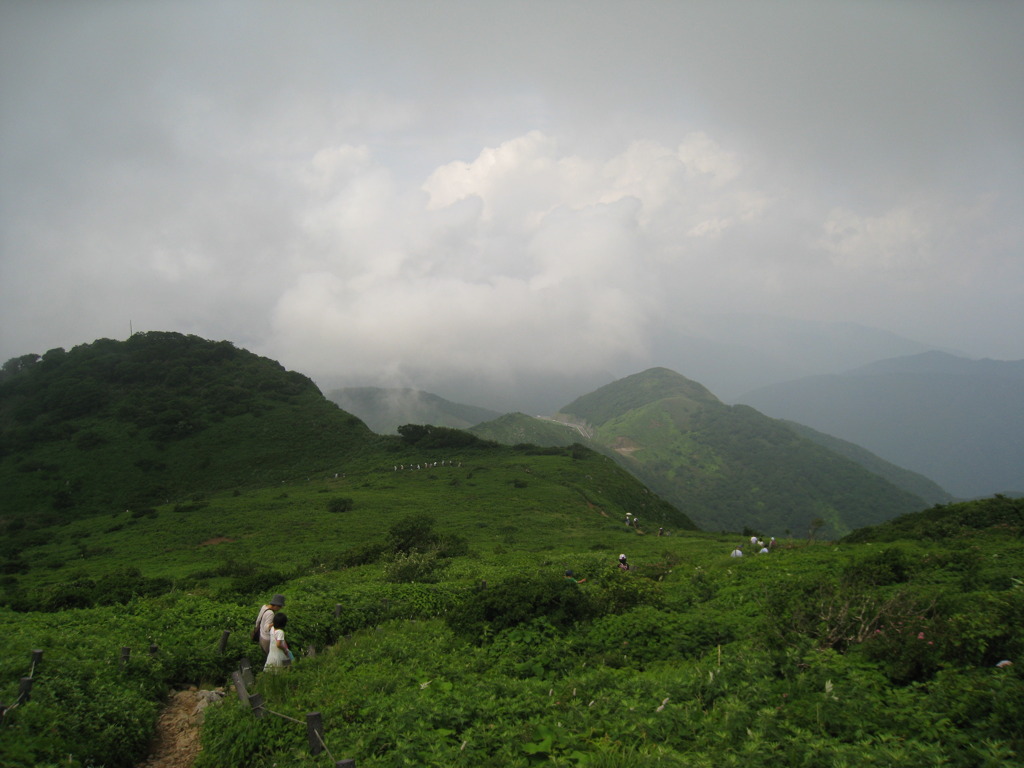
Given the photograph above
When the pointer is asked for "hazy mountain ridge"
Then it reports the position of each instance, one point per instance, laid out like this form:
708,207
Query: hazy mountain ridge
956,421
729,353
384,410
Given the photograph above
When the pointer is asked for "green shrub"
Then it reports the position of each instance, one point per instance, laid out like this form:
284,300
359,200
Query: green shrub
340,504
520,600
413,566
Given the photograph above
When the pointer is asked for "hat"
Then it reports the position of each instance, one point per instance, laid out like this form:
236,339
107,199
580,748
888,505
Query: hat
277,600
622,557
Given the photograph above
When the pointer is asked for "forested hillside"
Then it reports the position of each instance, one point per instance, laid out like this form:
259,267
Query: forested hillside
727,467
126,424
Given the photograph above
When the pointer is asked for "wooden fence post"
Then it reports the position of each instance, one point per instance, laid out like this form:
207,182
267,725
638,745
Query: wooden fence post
315,731
245,667
224,640
337,610
37,657
25,689
256,702
154,649
240,689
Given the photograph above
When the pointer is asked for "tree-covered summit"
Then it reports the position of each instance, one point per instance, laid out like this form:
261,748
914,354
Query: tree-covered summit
159,416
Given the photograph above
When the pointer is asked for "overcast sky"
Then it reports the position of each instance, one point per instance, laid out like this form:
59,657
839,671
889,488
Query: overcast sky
378,190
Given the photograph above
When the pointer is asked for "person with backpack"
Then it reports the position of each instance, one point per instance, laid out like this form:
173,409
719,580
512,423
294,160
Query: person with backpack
261,630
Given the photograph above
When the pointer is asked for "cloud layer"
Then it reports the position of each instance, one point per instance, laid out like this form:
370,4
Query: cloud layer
386,192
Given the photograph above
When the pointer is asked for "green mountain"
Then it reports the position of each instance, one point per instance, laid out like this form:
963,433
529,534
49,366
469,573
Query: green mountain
128,424
122,427
384,410
726,467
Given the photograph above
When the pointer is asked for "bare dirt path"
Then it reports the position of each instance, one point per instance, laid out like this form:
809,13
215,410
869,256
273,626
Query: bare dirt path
176,742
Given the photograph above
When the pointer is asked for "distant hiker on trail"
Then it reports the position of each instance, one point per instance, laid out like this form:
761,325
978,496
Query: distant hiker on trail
265,621
570,576
628,521
753,541
772,544
661,531
623,565
279,655
738,552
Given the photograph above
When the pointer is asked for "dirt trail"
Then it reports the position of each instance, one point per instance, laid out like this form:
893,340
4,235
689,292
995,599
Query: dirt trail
176,742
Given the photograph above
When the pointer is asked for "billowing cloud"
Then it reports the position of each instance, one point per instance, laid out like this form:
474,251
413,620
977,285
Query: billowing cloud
380,192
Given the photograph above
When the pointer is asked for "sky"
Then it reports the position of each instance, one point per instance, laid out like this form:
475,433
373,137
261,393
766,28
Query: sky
399,193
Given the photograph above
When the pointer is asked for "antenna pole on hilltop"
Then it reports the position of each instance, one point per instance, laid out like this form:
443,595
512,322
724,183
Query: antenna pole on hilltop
130,331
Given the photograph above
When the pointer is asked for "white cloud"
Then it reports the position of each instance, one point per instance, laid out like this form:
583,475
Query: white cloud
377,188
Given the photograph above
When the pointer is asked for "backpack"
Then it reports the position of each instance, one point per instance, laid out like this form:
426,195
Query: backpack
255,634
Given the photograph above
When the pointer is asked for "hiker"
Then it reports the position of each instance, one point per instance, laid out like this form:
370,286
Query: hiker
772,544
570,576
265,621
623,565
279,654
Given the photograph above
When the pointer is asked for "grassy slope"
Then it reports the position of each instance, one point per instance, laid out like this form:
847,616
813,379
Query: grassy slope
718,650
494,497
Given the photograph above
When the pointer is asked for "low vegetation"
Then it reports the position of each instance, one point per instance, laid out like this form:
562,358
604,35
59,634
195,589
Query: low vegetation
434,624
452,637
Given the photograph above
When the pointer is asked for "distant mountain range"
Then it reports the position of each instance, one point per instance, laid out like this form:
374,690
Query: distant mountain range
957,421
115,425
611,420
385,410
729,353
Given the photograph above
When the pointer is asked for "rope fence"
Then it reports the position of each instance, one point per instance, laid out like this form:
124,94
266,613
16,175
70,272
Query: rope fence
242,679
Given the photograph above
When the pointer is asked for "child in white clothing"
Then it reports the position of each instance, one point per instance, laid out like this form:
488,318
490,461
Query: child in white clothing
279,655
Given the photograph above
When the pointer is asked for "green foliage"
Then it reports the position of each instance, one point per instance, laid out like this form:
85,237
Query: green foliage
416,532
520,600
998,515
413,566
444,629
339,505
